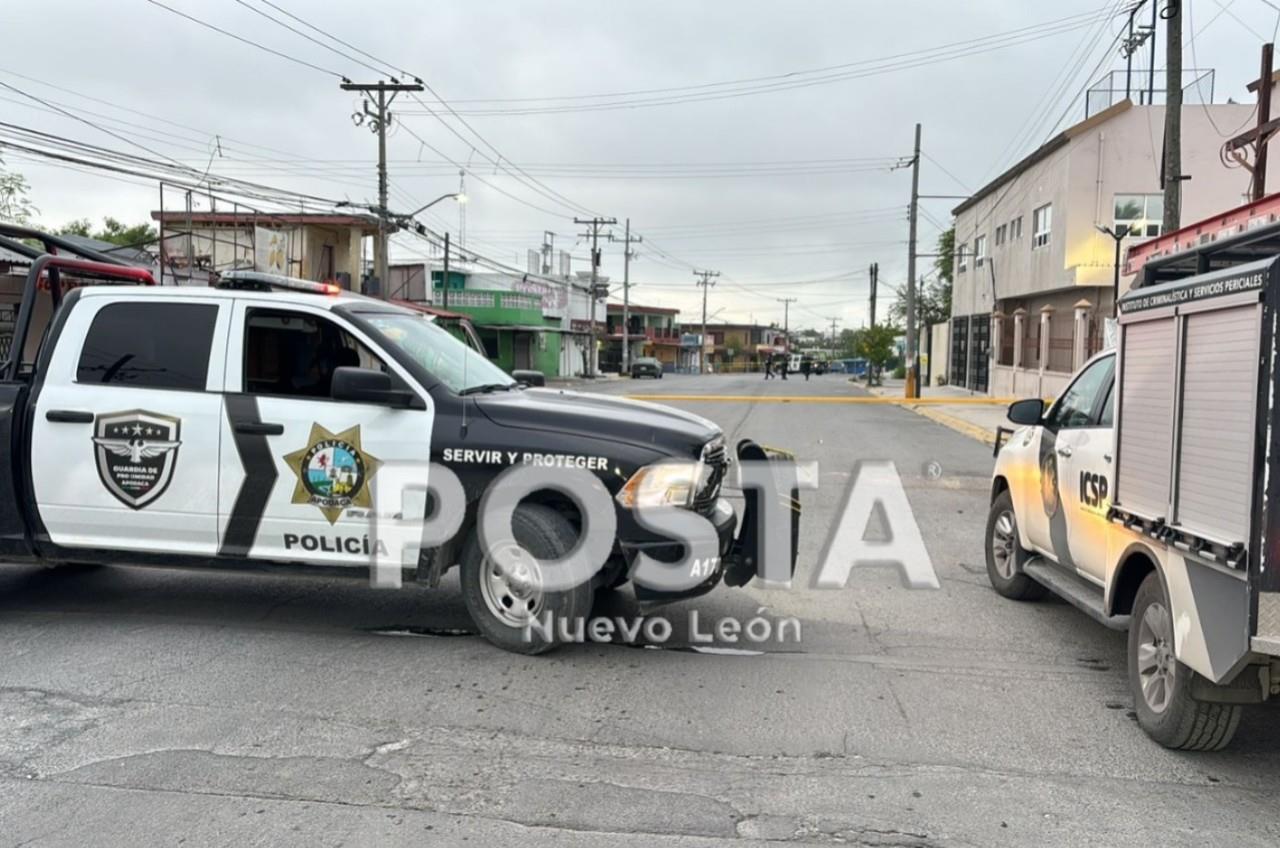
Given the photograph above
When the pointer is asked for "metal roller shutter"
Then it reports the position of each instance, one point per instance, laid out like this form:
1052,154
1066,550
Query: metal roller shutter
1215,459
1146,434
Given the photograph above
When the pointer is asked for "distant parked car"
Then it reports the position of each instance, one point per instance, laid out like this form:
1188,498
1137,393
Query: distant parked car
646,366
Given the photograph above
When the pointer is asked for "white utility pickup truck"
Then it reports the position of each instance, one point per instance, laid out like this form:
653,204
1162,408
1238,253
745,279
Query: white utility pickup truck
1146,495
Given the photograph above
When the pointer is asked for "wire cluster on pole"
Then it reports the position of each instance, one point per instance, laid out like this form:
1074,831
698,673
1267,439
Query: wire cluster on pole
706,279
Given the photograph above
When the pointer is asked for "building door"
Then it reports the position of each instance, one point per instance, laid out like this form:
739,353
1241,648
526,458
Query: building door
959,350
326,262
979,352
523,351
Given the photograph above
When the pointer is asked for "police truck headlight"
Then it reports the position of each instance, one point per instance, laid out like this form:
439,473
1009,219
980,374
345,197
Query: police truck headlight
662,484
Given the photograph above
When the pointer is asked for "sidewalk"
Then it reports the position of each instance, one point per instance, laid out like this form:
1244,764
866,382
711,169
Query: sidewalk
974,414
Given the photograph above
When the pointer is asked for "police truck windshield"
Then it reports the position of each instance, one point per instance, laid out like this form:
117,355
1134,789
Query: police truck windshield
458,366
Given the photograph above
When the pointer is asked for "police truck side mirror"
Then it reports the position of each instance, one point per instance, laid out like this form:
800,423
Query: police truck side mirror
1026,412
527,377
366,385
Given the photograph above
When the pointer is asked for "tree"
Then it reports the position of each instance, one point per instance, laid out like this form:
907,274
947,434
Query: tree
876,345
78,227
933,303
933,298
848,343
112,231
944,263
15,206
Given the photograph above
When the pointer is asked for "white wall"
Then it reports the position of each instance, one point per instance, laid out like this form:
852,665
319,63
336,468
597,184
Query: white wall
1117,152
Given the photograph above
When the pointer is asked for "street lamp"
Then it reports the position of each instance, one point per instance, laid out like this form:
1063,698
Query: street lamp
459,196
1118,234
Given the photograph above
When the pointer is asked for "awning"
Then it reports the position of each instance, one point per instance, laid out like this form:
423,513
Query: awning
428,309
525,328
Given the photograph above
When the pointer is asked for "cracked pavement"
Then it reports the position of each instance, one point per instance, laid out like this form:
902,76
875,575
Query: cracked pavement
159,707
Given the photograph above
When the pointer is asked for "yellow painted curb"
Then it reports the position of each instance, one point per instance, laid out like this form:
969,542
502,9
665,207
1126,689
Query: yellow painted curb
967,428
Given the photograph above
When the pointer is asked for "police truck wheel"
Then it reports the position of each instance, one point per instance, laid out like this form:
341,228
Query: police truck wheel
1005,556
503,604
1161,685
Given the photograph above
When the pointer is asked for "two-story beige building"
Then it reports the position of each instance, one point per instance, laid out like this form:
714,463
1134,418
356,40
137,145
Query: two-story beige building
325,247
1034,274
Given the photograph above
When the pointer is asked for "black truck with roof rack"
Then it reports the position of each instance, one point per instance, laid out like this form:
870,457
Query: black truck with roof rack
244,425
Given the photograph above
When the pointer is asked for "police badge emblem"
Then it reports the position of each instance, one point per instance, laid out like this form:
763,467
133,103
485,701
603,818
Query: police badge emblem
333,471
136,453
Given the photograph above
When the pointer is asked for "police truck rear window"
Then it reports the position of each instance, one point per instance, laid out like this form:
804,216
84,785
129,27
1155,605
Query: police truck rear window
149,346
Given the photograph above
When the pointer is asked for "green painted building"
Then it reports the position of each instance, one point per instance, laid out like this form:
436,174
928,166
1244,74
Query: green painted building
515,333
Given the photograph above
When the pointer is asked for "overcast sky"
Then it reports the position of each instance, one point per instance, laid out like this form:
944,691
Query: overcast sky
651,164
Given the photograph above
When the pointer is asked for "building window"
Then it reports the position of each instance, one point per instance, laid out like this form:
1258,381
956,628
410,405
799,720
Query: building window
1041,225
962,258
1143,214
1015,228
1001,232
149,346
979,251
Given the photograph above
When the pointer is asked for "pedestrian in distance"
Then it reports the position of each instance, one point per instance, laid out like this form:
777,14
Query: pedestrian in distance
768,367
806,365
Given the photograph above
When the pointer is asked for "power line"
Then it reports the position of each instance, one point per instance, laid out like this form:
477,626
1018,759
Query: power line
89,123
793,79
316,41
528,182
550,193
1057,87
248,41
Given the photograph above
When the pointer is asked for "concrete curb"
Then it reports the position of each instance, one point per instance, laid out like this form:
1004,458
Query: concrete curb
966,428
973,431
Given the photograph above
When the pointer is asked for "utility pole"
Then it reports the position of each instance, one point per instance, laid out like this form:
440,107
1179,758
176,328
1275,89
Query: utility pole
627,253
912,387
786,332
833,321
706,279
1133,41
376,118
1173,117
875,278
1151,64
596,223
444,276
1261,134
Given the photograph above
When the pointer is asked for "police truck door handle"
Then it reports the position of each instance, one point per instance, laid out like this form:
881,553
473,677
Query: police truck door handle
69,416
257,428
1065,450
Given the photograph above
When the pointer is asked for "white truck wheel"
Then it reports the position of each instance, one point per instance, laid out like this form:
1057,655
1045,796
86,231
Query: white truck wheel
1161,685
1005,555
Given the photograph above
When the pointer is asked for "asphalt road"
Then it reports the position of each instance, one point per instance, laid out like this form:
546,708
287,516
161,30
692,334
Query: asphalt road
146,707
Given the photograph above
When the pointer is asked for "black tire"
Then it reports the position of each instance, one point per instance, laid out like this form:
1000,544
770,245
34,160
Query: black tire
546,534
1006,556
1161,685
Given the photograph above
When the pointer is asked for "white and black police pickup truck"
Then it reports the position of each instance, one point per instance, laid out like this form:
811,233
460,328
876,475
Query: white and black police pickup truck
1148,493
240,426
